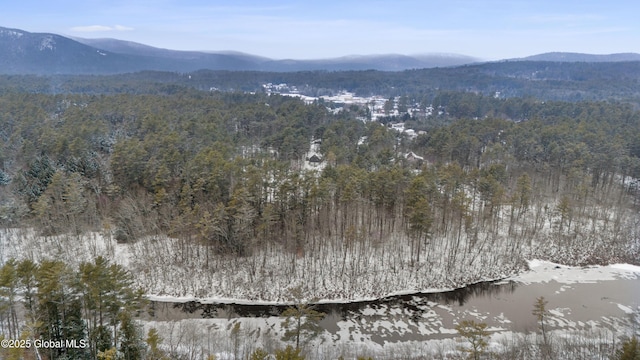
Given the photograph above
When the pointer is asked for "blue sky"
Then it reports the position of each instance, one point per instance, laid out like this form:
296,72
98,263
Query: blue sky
490,30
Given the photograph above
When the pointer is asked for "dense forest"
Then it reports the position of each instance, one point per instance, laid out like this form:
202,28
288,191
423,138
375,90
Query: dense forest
538,79
214,195
226,171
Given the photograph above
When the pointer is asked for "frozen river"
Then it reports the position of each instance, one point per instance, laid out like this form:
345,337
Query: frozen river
578,299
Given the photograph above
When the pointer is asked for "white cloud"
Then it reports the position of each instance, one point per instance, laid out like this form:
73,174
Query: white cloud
100,28
122,28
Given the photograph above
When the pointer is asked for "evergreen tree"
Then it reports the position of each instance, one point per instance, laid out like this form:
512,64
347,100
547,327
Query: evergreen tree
541,313
289,353
131,344
476,334
107,291
302,321
57,291
100,339
419,215
153,346
26,272
259,354
523,192
35,180
4,178
74,329
8,296
630,350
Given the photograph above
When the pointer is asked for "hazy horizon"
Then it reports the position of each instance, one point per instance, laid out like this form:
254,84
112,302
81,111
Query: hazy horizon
490,30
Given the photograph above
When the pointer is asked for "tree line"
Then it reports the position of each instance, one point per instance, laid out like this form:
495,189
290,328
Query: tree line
543,80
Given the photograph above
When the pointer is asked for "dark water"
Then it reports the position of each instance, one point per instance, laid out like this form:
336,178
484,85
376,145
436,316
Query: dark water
166,311
502,305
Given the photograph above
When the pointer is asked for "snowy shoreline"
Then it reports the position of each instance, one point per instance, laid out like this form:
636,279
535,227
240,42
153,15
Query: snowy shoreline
539,271
425,326
267,277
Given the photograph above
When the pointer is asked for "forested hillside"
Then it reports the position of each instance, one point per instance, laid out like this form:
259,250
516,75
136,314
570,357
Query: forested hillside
217,185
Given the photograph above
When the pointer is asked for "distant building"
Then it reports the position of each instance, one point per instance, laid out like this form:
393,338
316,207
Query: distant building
314,159
399,127
413,158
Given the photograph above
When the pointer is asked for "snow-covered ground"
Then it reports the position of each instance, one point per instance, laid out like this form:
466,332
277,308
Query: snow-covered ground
171,267
545,271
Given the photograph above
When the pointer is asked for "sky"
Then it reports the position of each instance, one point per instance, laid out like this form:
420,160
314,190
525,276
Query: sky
283,29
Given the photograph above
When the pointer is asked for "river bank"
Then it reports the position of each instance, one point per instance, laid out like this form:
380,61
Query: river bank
600,301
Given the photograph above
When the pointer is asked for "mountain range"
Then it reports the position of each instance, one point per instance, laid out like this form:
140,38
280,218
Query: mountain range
579,57
22,52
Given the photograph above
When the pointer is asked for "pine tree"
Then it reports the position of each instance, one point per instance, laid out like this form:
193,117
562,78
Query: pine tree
131,344
476,334
74,329
57,290
100,339
523,193
8,295
418,214
107,291
35,180
302,321
259,354
153,345
4,178
630,350
289,353
540,312
26,272
564,210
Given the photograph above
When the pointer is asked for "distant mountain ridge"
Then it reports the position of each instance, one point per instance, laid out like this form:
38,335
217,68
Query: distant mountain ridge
22,52
580,57
384,62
